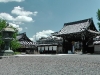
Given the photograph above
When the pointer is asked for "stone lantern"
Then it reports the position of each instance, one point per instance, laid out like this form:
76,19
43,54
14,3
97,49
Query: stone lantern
7,37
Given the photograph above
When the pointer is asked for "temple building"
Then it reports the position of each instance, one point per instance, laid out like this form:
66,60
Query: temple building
78,35
96,44
26,44
49,45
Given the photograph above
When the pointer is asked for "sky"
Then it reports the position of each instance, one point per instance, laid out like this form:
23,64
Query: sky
40,18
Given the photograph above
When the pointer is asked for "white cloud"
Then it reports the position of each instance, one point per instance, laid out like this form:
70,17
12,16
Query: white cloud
20,29
44,33
35,13
19,23
16,26
5,1
20,11
24,19
10,18
31,39
6,16
18,19
22,16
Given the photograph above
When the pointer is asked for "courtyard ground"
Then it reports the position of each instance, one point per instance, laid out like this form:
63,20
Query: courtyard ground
60,64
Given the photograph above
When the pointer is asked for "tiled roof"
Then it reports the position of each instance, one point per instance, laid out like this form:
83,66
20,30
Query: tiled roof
96,40
23,36
55,33
24,40
75,27
27,43
19,36
94,32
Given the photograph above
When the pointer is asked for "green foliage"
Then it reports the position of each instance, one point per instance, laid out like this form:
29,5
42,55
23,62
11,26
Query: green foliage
2,25
98,17
15,44
98,14
17,53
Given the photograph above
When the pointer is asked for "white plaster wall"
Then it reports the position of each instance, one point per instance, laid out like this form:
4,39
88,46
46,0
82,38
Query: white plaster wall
54,48
96,47
39,48
50,48
43,48
59,49
46,48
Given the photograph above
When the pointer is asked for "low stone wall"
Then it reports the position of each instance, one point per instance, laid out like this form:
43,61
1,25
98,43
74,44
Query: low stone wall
97,49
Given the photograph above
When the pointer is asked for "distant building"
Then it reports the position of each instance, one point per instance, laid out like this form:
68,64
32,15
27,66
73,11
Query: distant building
49,45
26,44
96,44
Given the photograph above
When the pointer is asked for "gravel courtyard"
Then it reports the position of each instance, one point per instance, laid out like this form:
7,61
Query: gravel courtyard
51,65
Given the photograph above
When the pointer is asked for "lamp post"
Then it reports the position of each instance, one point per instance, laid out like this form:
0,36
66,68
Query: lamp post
7,37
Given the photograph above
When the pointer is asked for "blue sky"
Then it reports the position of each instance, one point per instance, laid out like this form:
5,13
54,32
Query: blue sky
39,18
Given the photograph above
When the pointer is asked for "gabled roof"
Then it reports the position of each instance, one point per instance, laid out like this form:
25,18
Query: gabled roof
19,36
25,41
23,37
76,27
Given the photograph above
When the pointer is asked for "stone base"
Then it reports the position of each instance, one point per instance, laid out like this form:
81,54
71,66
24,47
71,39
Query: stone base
6,53
97,52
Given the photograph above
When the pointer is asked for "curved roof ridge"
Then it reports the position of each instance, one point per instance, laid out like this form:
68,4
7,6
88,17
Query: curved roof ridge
76,22
21,35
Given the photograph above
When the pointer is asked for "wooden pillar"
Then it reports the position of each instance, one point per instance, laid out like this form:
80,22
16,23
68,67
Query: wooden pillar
57,49
44,49
84,44
65,49
73,48
63,45
52,49
48,50
84,47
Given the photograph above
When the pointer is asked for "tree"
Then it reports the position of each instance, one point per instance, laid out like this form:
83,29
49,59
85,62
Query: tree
2,25
14,43
98,17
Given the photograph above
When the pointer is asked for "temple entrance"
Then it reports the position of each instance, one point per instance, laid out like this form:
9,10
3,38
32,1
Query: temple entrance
67,46
80,46
82,31
77,47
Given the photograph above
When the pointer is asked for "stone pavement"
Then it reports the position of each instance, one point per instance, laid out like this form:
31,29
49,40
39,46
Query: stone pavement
60,64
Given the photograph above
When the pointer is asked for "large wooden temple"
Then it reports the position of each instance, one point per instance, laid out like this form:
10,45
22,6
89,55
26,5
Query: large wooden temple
82,31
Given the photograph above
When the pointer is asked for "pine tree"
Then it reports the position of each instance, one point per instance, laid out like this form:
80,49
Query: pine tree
98,17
